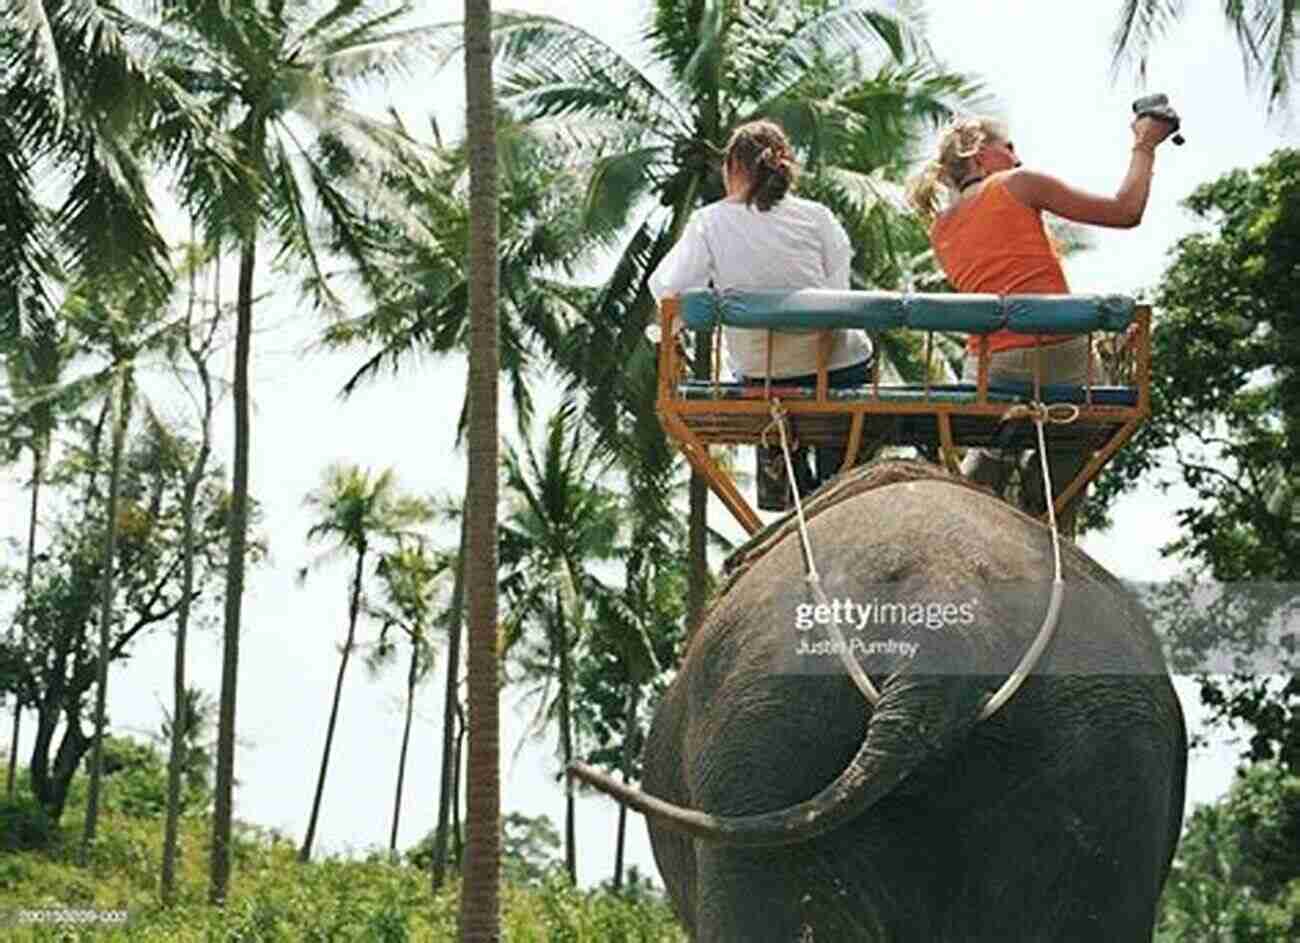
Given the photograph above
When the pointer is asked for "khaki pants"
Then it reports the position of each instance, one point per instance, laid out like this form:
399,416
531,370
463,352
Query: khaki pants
1062,363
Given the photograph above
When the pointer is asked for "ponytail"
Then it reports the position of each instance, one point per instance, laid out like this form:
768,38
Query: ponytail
922,190
953,162
761,150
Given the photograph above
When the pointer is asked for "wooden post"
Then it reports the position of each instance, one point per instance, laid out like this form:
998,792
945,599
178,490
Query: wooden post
669,309
982,379
823,359
946,443
1099,458
875,367
855,442
929,339
698,455
1144,360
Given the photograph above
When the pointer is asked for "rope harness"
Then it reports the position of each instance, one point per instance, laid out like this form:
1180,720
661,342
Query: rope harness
1056,414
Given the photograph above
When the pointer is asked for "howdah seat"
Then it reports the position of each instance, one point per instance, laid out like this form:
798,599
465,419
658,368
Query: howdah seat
941,417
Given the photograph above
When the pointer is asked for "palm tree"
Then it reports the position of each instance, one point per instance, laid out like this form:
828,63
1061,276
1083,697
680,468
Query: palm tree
360,515
421,307
480,906
1265,31
75,95
275,77
562,522
853,84
411,577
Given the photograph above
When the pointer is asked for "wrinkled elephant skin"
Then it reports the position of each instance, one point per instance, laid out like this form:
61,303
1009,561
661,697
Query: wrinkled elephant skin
1053,820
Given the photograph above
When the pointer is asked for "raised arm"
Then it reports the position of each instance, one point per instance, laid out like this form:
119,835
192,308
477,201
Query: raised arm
1122,211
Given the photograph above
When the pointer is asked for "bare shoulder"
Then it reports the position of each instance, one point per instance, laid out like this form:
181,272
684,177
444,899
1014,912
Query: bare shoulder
1030,187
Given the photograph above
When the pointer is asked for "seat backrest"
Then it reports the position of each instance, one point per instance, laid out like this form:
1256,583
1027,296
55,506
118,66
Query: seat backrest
811,309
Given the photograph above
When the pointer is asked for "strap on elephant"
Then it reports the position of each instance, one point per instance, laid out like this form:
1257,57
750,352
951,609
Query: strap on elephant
1057,414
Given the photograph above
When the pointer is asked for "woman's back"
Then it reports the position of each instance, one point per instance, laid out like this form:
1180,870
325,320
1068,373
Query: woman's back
994,244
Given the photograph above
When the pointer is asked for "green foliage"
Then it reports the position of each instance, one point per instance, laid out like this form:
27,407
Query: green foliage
52,665
528,848
1237,873
1226,421
275,898
135,780
24,825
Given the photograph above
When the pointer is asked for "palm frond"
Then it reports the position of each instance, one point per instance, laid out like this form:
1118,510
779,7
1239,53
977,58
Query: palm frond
546,66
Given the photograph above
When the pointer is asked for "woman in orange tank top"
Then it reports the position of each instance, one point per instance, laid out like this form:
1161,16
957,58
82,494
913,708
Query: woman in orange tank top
990,239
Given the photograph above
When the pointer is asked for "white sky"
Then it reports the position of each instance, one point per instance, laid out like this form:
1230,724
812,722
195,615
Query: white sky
1046,61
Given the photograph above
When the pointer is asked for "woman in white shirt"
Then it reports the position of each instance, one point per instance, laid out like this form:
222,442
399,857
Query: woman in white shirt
757,238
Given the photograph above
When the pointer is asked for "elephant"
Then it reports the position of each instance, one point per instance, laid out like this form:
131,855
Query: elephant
783,806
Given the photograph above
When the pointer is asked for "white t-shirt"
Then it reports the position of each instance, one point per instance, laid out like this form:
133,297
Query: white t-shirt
795,244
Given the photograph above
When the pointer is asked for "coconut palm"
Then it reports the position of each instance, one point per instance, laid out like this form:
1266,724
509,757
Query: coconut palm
853,83
275,77
562,521
359,515
480,903
76,96
411,577
421,307
1265,31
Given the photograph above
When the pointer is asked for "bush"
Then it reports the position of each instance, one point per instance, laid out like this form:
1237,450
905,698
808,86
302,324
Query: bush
25,825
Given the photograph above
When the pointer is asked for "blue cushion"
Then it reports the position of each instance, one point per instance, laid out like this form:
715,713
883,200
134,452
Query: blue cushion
969,314
817,309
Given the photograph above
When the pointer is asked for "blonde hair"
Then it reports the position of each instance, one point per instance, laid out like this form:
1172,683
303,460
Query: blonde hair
954,162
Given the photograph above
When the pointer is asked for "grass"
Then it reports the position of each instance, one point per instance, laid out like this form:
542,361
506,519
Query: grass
274,898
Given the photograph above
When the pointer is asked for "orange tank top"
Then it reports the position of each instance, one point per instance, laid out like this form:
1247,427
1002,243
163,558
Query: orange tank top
996,245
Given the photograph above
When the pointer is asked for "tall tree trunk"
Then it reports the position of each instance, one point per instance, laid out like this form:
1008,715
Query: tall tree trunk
354,608
480,916
38,471
121,396
181,717
566,743
629,740
411,677
223,800
448,778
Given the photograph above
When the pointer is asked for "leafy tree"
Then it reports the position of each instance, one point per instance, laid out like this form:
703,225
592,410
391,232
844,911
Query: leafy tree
1236,876
54,665
852,83
35,361
563,521
528,847
275,79
1226,421
360,515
